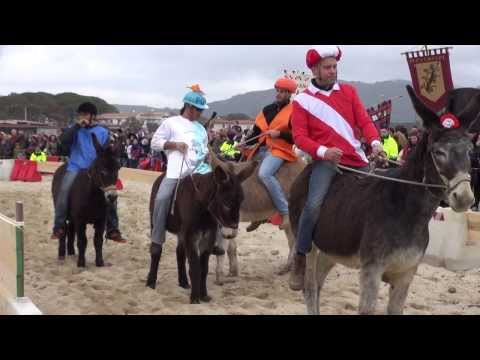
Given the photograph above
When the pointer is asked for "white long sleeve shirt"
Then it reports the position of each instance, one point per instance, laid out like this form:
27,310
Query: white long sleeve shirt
176,129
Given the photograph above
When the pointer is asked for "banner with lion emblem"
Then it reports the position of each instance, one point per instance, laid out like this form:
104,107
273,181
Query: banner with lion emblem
431,76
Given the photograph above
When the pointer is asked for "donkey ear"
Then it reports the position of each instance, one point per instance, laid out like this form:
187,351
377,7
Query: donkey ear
429,118
469,116
248,171
474,127
220,175
96,144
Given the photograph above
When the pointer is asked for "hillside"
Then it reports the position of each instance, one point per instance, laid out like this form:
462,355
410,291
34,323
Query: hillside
43,106
371,94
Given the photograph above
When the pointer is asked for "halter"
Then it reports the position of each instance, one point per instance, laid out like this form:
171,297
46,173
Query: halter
449,186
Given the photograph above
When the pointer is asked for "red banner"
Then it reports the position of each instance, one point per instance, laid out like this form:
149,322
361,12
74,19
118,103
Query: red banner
381,115
431,76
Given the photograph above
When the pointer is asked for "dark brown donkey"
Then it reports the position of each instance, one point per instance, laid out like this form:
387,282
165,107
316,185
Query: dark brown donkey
381,227
203,203
87,203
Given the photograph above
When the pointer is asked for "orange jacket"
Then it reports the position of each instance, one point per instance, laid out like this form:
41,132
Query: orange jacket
279,147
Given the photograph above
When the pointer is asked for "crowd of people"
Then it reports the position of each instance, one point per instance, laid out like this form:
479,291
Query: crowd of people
17,145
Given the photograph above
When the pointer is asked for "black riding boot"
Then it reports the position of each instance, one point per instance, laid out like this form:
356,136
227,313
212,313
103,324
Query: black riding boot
155,254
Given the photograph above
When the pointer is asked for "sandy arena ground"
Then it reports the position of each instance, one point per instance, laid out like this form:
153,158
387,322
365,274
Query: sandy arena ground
120,289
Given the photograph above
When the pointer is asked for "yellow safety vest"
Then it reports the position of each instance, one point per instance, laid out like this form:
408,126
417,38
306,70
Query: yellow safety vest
42,157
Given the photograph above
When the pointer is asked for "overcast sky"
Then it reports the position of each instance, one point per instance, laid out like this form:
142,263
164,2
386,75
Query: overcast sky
158,75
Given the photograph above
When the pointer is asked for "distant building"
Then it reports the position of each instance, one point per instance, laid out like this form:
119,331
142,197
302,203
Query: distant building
114,120
156,117
117,120
225,124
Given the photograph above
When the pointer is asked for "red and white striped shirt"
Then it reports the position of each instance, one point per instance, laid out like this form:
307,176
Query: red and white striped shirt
324,119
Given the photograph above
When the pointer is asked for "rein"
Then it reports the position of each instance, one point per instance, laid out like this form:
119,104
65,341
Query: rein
369,174
403,181
195,188
443,186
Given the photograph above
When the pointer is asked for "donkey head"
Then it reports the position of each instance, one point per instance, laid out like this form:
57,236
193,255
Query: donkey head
104,170
447,150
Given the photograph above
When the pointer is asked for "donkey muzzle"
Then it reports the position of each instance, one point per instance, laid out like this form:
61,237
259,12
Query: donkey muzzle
460,194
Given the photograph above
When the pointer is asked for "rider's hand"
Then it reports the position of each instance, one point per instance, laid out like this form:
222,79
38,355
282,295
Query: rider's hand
377,149
83,122
333,154
273,133
182,147
241,147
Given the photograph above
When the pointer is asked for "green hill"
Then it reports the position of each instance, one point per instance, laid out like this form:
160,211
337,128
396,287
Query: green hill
42,106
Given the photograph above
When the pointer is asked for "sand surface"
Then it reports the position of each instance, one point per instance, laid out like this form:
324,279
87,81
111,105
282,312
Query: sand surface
120,289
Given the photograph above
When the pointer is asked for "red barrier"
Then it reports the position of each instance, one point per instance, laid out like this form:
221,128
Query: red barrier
16,169
157,165
144,165
25,170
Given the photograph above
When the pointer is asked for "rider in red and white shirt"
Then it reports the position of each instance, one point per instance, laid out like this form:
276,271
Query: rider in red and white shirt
325,119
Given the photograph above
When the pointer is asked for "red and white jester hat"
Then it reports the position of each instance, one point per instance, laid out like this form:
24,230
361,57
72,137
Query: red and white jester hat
321,52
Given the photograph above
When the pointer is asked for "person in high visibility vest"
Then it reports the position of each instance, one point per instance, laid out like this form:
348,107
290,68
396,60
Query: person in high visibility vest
38,155
390,146
276,145
228,149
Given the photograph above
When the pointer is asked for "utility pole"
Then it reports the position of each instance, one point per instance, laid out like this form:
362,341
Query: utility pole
25,113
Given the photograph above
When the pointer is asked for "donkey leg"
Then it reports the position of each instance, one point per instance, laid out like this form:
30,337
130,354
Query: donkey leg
370,279
399,285
310,287
324,266
61,248
232,257
98,242
155,255
219,275
70,239
291,253
221,241
182,266
194,272
81,243
203,277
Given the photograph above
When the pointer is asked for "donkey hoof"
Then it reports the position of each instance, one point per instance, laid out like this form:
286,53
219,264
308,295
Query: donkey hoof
99,263
233,273
61,259
206,298
81,263
219,282
194,301
184,285
151,282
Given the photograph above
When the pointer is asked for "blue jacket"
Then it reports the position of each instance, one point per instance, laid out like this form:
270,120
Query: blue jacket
80,144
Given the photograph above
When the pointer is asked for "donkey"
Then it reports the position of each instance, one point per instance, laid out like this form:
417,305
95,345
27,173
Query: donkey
203,203
256,206
87,203
381,227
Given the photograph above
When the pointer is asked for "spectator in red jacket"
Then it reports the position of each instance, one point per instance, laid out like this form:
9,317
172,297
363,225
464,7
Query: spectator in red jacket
324,119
